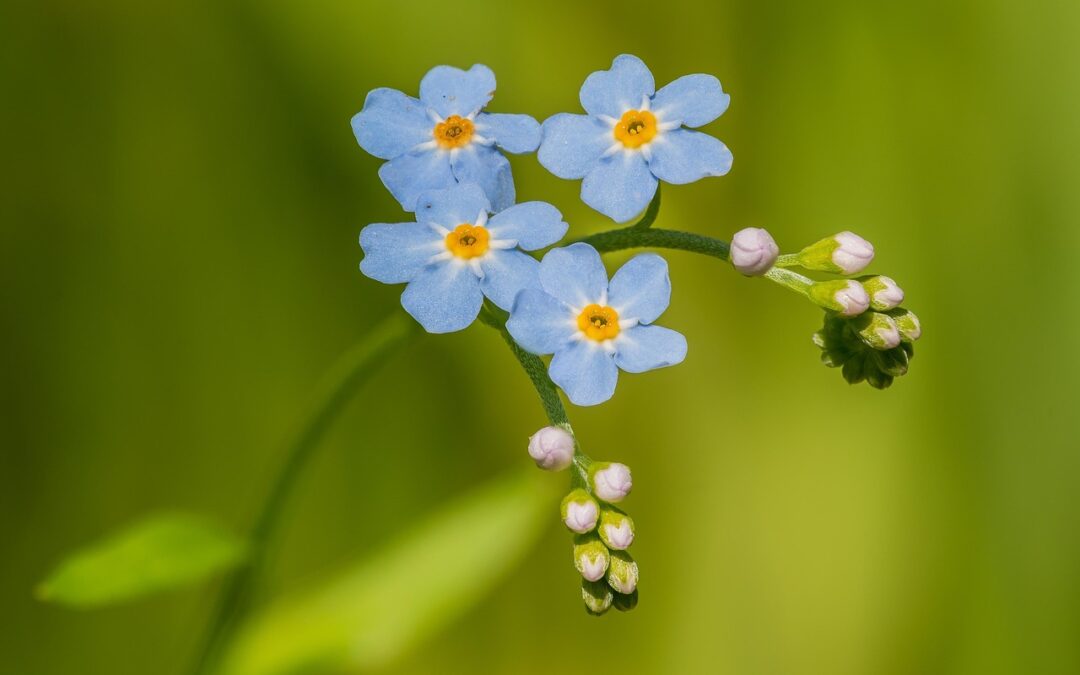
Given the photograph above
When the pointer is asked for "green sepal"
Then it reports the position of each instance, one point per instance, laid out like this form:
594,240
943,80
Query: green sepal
597,596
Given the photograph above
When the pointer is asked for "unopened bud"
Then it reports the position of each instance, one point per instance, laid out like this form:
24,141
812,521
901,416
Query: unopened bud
580,511
907,323
877,330
591,557
844,296
884,292
552,448
844,253
610,481
597,596
616,529
753,251
622,573
625,602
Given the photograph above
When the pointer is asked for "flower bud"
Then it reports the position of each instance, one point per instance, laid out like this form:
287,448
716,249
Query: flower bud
616,529
591,557
753,251
883,291
625,602
552,448
877,330
844,253
597,596
580,511
610,481
622,573
907,323
845,296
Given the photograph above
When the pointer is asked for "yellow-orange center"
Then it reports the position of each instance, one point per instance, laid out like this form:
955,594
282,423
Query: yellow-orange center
454,132
468,241
599,322
635,128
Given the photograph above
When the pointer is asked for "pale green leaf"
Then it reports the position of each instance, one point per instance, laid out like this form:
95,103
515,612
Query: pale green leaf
375,611
159,552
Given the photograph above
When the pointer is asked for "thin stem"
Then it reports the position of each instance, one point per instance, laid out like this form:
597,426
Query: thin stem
634,237
650,213
343,380
535,368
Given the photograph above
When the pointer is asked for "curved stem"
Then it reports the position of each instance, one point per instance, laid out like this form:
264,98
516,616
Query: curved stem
535,368
343,380
635,237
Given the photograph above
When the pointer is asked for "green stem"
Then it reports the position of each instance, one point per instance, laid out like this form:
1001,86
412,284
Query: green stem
343,380
635,237
535,368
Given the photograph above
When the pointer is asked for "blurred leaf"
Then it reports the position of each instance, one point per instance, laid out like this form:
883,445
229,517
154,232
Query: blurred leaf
159,552
373,612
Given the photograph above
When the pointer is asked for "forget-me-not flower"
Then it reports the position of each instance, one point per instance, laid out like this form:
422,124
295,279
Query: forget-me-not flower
632,136
455,254
595,328
443,138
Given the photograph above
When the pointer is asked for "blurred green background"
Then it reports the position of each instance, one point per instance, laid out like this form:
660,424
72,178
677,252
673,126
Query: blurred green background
181,201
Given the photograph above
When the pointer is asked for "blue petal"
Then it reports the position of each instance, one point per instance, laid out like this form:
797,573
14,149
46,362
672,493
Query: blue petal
453,91
394,253
641,288
513,133
540,323
444,297
683,156
575,275
391,123
452,207
533,225
693,100
620,187
644,348
585,371
486,167
506,273
407,176
613,92
573,144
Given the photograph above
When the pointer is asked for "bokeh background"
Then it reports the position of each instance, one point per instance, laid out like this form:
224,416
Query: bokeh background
182,196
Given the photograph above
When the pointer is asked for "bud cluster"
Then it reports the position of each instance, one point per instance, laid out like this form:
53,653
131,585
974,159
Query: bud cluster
866,332
875,347
602,533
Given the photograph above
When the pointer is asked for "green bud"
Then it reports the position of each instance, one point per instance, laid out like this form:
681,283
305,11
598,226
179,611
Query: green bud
591,557
597,596
616,529
622,572
843,253
625,603
877,330
892,362
884,292
843,296
907,323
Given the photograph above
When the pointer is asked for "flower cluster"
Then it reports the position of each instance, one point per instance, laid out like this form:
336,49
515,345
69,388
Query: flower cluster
471,251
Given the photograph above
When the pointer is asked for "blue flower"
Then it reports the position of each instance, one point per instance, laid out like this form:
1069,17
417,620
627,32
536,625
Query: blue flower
443,138
454,254
595,328
632,136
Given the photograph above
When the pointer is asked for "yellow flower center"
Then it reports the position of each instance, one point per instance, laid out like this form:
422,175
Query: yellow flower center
468,241
635,128
598,322
454,132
